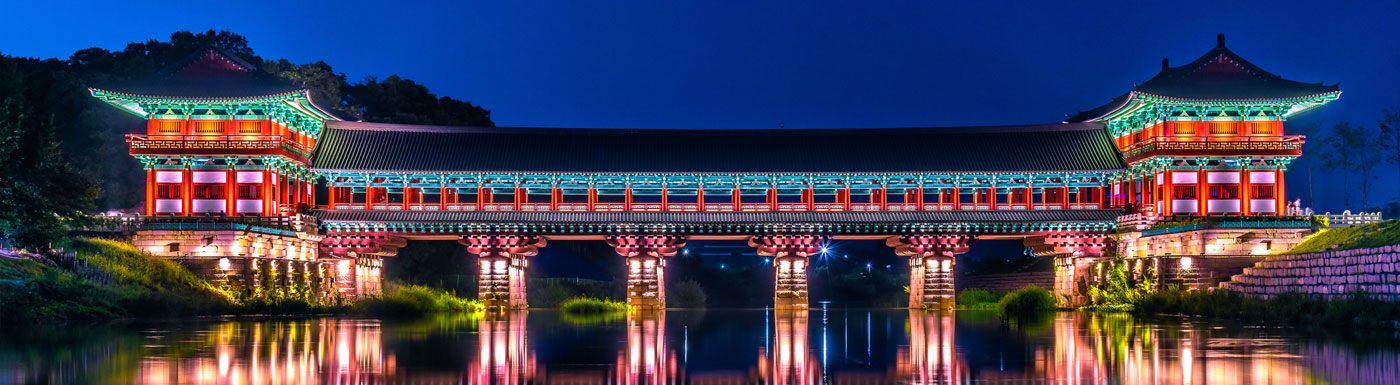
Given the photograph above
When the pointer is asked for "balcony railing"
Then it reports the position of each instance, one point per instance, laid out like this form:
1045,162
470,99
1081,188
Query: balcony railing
215,142
1215,143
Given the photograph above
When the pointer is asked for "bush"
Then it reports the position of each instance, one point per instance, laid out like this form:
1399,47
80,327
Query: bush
1026,301
585,305
414,300
978,299
687,294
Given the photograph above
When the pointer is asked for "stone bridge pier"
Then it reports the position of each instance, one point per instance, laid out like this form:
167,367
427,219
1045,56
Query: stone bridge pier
790,261
1074,255
931,261
502,263
646,266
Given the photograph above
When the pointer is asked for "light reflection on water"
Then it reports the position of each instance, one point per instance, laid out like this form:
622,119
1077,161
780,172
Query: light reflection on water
718,346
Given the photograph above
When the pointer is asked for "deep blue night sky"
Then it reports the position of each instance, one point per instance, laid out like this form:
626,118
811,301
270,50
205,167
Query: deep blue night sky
800,64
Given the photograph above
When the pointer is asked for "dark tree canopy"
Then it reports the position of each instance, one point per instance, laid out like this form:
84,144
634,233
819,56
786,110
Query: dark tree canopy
91,133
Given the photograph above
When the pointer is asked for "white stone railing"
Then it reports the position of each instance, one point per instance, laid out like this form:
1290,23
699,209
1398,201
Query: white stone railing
1347,219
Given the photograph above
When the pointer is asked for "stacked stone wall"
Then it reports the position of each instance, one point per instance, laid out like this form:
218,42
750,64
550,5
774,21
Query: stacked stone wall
1007,281
1329,274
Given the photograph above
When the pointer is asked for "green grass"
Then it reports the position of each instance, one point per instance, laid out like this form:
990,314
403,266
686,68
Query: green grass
1347,238
585,305
120,281
414,300
978,299
1026,301
1289,308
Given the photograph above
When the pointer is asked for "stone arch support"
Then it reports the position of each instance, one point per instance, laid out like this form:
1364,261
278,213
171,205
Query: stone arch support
790,254
502,263
931,262
646,266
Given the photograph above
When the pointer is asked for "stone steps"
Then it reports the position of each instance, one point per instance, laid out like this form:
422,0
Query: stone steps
1329,273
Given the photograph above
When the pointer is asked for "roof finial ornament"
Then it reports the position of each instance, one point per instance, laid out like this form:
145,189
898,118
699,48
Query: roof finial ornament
1164,63
1220,40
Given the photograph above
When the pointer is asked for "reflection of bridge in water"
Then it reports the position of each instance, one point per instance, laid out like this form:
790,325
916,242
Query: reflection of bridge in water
941,348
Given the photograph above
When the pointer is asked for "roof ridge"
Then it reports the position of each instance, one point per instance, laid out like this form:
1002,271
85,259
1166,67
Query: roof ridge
397,127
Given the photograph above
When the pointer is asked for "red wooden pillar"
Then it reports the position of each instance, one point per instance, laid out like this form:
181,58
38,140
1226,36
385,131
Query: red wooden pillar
231,191
1202,192
1280,201
1244,190
186,191
150,190
1168,195
442,194
369,193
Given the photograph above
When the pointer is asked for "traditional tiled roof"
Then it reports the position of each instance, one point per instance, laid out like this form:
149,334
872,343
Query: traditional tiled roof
209,73
1219,75
707,218
408,148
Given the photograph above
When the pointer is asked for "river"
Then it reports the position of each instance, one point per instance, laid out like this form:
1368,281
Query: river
829,344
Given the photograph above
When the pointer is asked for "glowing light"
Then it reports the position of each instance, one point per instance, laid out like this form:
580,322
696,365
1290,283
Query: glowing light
1186,263
224,264
947,265
825,250
344,266
1260,249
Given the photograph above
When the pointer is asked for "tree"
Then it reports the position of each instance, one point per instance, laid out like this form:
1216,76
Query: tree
399,100
39,191
1388,138
1340,153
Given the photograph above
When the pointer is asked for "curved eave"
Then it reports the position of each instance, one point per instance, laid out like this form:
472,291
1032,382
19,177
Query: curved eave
1138,99
298,100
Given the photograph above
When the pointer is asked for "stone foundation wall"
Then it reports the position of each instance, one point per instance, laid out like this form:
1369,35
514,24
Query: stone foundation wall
1330,273
1006,282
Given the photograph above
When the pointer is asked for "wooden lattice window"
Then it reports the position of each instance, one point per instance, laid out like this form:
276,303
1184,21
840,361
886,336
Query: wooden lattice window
208,191
1262,191
203,127
1183,128
1223,128
168,191
1261,128
249,128
168,127
1183,192
1225,191
249,191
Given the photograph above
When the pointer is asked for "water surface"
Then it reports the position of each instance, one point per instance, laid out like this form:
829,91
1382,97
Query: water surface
832,345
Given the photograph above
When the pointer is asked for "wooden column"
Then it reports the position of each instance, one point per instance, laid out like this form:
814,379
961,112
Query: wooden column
150,190
1244,190
1280,201
1202,192
186,191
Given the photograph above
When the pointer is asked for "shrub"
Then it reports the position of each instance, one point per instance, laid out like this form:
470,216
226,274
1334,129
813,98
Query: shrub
978,299
585,305
1026,301
414,300
687,294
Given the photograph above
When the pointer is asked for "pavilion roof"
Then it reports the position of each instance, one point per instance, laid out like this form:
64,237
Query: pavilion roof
1060,147
209,73
1219,75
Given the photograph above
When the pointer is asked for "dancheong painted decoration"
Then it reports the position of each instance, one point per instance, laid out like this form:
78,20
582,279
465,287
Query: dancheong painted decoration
225,139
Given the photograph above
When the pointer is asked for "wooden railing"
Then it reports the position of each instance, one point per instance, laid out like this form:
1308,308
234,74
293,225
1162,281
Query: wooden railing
1293,142
215,142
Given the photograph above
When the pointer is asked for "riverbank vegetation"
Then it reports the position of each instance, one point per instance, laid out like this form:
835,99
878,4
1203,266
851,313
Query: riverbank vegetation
1356,310
978,299
586,305
1354,237
1026,301
106,280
